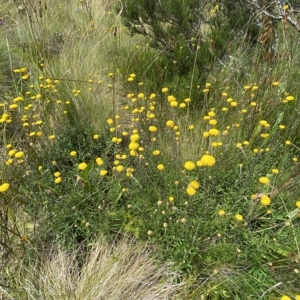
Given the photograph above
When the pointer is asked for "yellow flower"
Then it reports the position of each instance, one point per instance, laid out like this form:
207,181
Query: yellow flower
119,168
13,106
52,137
96,136
263,122
170,123
208,160
221,212
58,180
160,167
289,98
190,191
156,152
214,132
239,217
134,137
25,77
82,166
152,128
287,142
298,203
103,172
19,154
265,200
73,153
275,171
264,180
189,165
99,161
213,122
133,146
164,90
12,152
4,187
199,163
285,297
195,184
57,174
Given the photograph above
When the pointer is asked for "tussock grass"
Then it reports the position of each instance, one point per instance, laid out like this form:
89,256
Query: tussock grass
120,271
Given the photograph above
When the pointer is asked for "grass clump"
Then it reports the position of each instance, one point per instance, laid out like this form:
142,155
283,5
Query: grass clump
124,269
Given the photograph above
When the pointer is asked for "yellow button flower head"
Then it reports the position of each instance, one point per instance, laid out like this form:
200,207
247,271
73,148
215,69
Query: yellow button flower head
208,160
264,180
265,200
134,137
4,187
195,184
190,191
96,136
99,161
19,154
160,167
119,168
289,98
133,146
214,132
213,122
73,153
82,166
285,297
156,152
170,123
164,90
58,180
171,98
221,212
298,203
275,171
189,165
239,217
57,174
103,172
12,152
263,122
152,128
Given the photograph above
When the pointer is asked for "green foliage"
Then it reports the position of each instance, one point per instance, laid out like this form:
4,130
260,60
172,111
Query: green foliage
195,34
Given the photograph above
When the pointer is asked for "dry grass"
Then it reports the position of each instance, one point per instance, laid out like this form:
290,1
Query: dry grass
122,271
